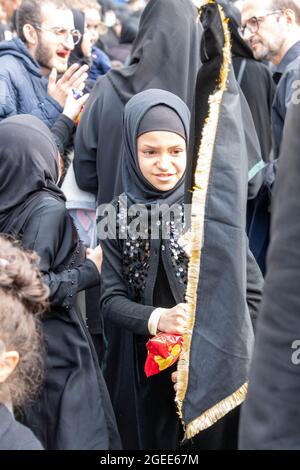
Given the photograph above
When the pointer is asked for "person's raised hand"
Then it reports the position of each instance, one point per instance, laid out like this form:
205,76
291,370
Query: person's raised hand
74,77
73,105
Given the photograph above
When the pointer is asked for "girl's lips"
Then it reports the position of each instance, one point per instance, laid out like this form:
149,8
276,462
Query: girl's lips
164,176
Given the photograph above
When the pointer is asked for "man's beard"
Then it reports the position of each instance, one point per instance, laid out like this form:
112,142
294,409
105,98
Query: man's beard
268,52
43,55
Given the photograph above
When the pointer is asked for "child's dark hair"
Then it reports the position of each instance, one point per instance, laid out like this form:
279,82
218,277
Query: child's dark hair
23,297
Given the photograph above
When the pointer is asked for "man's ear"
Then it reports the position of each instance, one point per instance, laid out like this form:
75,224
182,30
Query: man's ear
290,17
8,362
30,35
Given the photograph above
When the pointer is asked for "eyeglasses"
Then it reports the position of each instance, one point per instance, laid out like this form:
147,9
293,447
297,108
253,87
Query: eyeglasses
252,25
63,34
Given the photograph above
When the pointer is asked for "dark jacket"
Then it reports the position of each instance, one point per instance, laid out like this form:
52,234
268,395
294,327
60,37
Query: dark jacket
15,436
271,415
259,89
254,78
286,75
100,64
73,410
23,90
139,276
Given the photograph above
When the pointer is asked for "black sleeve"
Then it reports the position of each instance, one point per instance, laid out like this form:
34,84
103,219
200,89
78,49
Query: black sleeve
62,131
255,284
115,304
44,234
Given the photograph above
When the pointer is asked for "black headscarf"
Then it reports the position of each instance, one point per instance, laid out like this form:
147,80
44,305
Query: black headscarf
167,45
28,167
138,190
77,54
130,26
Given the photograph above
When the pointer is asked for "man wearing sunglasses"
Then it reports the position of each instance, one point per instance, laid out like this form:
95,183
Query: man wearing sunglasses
30,64
272,30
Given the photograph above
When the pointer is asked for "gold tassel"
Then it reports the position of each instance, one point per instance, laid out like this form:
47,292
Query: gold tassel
202,177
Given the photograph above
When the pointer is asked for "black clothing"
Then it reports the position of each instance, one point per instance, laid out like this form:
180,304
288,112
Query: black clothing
259,227
73,410
256,82
15,436
162,118
168,28
271,414
144,408
285,76
27,167
139,275
62,131
259,90
213,372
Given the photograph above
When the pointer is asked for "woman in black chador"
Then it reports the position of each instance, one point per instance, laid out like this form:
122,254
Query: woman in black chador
144,279
73,410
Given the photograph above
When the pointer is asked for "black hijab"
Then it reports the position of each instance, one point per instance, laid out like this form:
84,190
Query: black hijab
28,168
138,190
77,54
165,53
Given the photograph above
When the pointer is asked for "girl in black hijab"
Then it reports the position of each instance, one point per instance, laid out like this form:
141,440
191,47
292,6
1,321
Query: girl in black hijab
73,410
165,55
144,274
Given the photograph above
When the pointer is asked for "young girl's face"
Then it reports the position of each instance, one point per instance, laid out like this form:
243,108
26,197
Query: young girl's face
162,158
93,23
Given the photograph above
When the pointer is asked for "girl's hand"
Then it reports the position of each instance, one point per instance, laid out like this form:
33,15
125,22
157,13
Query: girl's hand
96,256
174,378
173,320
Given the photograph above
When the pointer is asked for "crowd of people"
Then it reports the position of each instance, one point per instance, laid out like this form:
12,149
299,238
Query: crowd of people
148,174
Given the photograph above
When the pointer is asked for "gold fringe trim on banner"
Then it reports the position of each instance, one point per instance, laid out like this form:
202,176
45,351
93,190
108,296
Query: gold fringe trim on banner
217,412
202,177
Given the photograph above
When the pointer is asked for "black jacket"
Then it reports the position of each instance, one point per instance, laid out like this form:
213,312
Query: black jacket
130,293
259,90
271,415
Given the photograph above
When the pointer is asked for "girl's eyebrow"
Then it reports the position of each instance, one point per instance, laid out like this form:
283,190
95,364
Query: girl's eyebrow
150,146
157,146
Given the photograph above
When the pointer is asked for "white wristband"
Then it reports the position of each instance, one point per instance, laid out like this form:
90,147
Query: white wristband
154,320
